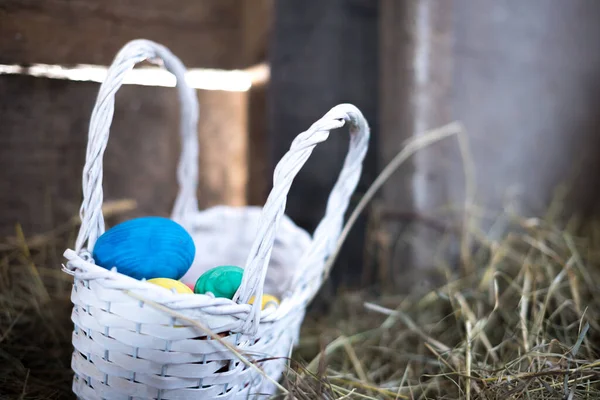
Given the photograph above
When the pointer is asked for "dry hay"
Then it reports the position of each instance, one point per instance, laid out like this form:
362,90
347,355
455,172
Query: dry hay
522,326
517,320
35,325
35,312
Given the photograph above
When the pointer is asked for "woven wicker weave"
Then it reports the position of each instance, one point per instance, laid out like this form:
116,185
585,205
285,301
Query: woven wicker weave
136,340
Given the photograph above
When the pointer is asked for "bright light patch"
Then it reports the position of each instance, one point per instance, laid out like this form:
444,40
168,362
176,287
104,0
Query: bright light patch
205,79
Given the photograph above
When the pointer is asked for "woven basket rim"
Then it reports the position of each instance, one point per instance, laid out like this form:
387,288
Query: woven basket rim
167,297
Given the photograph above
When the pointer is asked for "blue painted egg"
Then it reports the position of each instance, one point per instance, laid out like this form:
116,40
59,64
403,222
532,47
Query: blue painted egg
147,247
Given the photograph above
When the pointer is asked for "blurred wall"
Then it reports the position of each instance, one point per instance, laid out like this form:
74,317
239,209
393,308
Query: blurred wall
523,77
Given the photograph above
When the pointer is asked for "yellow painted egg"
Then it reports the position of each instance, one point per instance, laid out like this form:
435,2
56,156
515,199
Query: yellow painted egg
267,301
168,283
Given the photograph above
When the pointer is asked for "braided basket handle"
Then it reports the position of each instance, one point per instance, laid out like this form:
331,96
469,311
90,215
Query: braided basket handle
328,231
134,52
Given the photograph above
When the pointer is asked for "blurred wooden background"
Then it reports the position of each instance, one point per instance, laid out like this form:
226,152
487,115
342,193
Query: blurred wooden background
41,170
523,77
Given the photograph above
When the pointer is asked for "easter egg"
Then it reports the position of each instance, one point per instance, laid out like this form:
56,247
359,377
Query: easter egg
221,281
167,283
267,301
147,247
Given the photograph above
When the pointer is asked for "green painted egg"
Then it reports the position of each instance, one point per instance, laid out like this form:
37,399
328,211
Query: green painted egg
222,281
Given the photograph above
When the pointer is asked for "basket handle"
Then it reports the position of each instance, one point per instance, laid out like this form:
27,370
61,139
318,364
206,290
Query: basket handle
134,52
328,231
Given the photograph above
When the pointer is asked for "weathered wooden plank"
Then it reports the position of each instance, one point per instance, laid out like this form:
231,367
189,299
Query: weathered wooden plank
203,33
260,171
322,54
395,114
258,16
44,136
416,84
527,89
223,142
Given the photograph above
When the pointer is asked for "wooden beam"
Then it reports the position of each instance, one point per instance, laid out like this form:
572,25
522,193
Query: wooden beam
44,137
260,172
322,54
258,22
527,90
203,33
223,141
416,84
41,170
257,17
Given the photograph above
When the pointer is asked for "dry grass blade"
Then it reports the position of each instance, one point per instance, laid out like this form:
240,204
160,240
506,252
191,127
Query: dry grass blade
469,360
410,325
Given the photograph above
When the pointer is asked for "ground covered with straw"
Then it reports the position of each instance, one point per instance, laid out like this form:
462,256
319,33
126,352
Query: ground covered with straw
518,320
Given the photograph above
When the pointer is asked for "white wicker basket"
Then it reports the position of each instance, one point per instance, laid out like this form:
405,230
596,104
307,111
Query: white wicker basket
135,340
